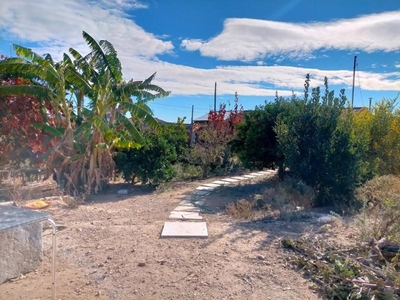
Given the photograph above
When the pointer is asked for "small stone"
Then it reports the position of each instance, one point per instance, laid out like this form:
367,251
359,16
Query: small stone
100,265
141,264
79,229
98,293
162,262
261,257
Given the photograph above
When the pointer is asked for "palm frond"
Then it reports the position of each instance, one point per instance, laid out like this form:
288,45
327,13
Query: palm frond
134,133
141,112
27,69
48,57
103,61
36,91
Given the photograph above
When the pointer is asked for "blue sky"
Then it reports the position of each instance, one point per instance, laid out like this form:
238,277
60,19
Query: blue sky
253,47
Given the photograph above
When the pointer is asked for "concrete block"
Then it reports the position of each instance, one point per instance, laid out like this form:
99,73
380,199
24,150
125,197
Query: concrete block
20,250
187,208
221,182
184,215
122,192
205,188
230,180
185,229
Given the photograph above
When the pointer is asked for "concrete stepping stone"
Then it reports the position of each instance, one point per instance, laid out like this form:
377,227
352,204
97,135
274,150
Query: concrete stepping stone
221,182
186,203
230,180
185,229
212,185
187,208
256,174
239,177
122,192
249,176
200,203
201,193
185,215
205,188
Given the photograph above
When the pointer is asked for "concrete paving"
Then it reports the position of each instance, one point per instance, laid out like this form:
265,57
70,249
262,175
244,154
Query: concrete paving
185,229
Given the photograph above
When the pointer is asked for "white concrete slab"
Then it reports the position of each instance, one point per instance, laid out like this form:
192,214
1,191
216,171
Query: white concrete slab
186,203
256,174
184,215
201,193
221,182
185,229
187,208
249,176
200,203
230,180
239,177
212,185
205,188
122,192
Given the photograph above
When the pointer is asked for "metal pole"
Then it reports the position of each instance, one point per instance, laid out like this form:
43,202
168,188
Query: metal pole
354,78
215,97
370,103
53,224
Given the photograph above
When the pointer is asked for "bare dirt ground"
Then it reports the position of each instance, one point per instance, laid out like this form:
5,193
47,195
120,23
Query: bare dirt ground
110,248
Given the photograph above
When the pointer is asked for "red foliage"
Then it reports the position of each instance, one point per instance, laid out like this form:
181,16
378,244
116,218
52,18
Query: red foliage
226,121
19,140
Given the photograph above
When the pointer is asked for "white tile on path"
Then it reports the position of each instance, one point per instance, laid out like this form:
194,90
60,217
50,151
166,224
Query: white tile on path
187,208
184,229
184,215
201,202
256,174
122,192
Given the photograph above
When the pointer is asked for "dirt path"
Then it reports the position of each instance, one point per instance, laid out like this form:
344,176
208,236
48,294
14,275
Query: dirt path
111,249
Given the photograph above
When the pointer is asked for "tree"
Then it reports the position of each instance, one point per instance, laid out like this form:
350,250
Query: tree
82,154
316,142
212,146
256,142
153,162
20,142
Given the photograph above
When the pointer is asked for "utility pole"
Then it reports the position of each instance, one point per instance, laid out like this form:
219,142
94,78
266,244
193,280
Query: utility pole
215,97
192,114
370,103
191,129
354,78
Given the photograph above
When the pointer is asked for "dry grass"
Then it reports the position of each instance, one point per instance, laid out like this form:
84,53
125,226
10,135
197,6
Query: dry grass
289,196
380,216
286,197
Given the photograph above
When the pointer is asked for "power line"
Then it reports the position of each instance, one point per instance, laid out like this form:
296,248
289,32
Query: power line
179,106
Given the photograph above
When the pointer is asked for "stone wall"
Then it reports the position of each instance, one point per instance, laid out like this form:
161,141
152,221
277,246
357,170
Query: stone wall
20,250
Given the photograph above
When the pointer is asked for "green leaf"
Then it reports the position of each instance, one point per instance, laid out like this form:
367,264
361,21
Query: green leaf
51,130
102,146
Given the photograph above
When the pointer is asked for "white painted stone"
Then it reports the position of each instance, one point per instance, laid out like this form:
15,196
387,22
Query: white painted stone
205,188
20,250
122,192
187,208
184,229
184,215
256,174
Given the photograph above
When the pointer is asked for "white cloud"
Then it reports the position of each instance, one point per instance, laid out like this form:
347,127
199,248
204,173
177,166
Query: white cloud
252,80
251,39
58,25
397,65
